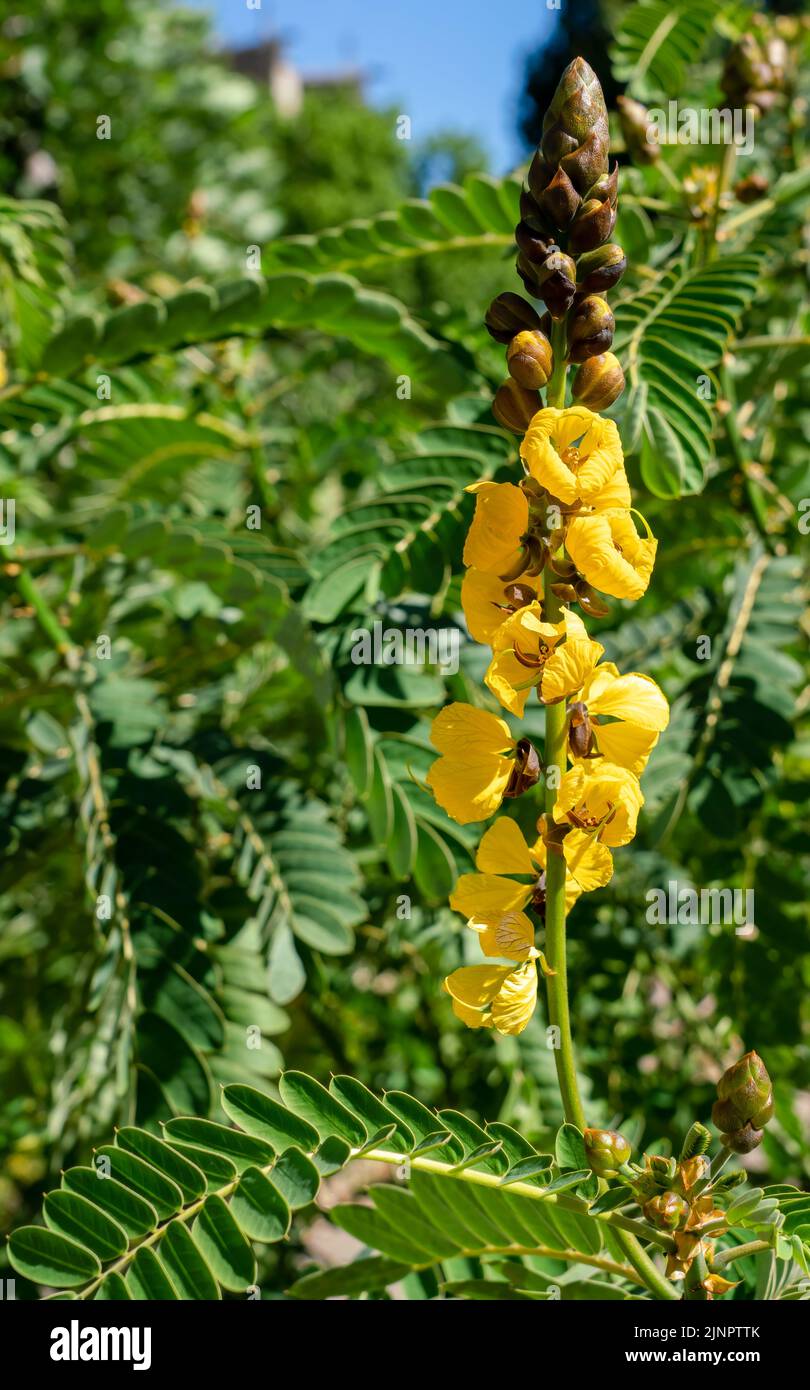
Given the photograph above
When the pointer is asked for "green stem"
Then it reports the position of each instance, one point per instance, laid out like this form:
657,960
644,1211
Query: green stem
724,178
555,389
655,1281
739,1252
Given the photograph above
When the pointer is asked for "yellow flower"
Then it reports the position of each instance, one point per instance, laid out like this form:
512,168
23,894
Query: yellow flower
572,453
488,601
487,897
609,553
555,657
495,539
494,996
637,709
602,798
477,762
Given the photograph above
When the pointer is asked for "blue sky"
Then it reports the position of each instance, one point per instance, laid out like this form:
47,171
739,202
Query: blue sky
448,64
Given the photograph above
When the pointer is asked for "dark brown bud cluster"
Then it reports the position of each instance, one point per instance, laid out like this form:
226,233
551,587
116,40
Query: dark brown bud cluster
565,256
744,1104
755,70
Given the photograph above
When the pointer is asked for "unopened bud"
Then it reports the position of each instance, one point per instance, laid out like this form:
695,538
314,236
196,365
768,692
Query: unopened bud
590,329
667,1211
606,1150
751,189
634,120
601,269
509,314
744,1103
599,382
514,406
525,769
529,359
555,281
560,200
592,225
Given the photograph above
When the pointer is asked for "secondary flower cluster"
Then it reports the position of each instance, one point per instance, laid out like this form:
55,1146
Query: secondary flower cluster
565,531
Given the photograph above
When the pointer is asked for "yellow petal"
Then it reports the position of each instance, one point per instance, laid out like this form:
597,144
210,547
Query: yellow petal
567,670
626,744
589,863
503,850
614,496
485,893
546,466
459,730
508,934
474,1018
511,681
515,1002
484,602
477,985
608,552
601,455
600,796
469,791
501,517
634,697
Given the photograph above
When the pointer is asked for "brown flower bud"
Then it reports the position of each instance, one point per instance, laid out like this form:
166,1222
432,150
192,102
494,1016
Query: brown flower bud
606,187
559,199
606,1150
592,225
509,314
599,382
667,1211
635,126
590,328
555,281
601,269
751,189
514,406
577,108
529,359
534,245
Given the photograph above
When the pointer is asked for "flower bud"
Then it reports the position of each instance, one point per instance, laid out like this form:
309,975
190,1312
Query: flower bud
590,328
592,225
691,1171
529,359
535,245
606,1149
559,199
635,125
514,406
599,382
600,270
667,1211
555,281
606,186
751,189
576,111
509,314
744,1103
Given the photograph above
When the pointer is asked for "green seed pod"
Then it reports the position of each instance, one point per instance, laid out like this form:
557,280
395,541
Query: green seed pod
635,124
555,281
529,359
599,382
600,270
667,1211
606,1149
509,314
590,328
514,406
744,1103
592,225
